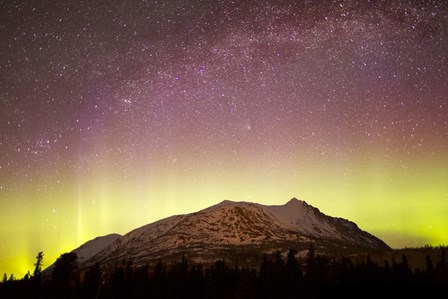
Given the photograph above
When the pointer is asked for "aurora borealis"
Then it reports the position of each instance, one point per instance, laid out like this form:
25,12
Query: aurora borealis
114,114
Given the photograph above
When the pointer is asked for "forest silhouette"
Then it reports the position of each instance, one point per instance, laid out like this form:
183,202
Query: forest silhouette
277,276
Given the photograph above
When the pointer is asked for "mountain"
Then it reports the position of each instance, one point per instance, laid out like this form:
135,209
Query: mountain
238,231
90,249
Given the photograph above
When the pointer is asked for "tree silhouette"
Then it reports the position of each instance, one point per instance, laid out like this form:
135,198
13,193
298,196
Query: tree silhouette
442,265
64,276
221,281
37,275
429,266
38,264
157,281
294,275
247,284
92,281
275,277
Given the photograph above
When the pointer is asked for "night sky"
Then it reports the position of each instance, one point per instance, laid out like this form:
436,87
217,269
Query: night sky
114,114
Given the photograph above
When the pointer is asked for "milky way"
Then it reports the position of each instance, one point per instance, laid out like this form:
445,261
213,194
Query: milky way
118,113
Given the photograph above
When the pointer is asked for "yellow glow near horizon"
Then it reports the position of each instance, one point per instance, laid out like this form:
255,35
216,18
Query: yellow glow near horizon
403,206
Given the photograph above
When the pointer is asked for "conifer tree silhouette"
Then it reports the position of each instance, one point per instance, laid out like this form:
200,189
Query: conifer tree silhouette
38,265
64,276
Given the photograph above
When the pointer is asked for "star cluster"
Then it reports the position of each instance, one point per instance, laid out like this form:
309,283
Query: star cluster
118,113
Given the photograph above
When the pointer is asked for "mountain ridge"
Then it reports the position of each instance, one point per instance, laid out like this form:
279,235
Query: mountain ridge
229,227
88,249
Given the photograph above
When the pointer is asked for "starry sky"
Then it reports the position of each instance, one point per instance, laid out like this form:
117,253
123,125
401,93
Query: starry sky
114,114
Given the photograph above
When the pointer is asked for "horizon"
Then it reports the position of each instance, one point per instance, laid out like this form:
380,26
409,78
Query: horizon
48,262
115,115
425,246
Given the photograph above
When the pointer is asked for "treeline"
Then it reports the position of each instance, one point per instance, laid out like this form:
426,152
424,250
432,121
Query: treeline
276,277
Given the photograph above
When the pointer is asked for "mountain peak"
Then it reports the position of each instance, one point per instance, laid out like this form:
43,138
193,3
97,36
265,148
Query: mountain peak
226,202
294,201
230,227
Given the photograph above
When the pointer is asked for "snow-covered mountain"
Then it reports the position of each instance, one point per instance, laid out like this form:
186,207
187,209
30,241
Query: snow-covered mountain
231,229
89,249
92,247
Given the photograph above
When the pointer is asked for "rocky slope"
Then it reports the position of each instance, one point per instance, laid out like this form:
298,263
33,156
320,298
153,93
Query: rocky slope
238,230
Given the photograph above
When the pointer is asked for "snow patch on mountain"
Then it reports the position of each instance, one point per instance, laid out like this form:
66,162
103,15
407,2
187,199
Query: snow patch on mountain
92,247
236,224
